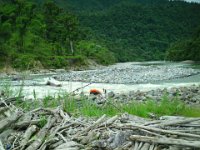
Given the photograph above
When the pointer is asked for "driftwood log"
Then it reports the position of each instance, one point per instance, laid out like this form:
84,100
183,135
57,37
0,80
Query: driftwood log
166,141
21,130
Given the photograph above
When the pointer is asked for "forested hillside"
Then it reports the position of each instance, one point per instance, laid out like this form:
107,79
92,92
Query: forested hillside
142,31
57,33
188,49
33,35
136,29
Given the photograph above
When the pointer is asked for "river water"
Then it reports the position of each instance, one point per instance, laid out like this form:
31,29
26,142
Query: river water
37,83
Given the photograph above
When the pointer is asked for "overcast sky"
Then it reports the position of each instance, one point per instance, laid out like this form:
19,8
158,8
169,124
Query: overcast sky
193,1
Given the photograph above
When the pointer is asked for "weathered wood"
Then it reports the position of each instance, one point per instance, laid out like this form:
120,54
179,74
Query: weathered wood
176,122
10,100
194,131
140,145
69,145
1,146
111,120
151,133
47,111
48,142
62,128
41,135
151,147
136,145
3,109
81,88
190,125
64,115
127,145
25,124
167,131
166,141
146,146
29,132
8,121
95,124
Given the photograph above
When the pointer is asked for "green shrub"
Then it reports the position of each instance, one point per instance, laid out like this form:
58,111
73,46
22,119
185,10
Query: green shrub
95,51
62,61
24,61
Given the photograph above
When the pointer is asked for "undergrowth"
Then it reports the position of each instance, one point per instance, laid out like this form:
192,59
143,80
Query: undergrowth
85,107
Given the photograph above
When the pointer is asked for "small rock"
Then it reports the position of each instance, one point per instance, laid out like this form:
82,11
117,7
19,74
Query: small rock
53,82
110,94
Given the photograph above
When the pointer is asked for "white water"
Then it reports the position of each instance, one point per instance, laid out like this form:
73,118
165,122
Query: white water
68,87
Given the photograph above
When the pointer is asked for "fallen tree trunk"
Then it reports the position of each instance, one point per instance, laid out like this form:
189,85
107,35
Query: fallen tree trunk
25,124
29,132
167,131
176,122
1,146
8,121
41,134
166,141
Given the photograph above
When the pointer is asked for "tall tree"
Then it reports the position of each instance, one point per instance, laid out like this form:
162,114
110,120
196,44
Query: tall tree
70,31
25,13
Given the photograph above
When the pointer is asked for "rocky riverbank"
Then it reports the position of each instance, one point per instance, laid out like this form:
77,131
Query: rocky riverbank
129,73
160,75
189,95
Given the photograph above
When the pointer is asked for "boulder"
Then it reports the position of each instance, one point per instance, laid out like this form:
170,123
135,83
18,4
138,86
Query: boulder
53,82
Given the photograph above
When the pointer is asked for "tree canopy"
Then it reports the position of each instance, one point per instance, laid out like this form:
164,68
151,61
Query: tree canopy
32,34
53,32
188,49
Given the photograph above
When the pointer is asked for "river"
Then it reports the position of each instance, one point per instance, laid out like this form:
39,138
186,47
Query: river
36,83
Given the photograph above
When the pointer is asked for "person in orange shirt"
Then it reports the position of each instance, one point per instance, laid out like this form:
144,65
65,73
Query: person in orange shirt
95,92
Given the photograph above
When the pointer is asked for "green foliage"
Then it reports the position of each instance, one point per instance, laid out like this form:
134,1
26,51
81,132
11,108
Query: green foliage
85,107
94,51
43,121
186,49
69,104
6,88
24,61
136,30
34,36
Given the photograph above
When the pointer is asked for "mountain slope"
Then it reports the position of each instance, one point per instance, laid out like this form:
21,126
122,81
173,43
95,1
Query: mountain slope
134,29
186,49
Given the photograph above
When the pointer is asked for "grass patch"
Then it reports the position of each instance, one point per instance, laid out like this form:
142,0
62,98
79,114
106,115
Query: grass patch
85,107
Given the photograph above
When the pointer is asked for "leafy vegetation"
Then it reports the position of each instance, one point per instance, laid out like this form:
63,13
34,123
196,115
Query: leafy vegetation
54,34
34,36
136,30
85,107
186,49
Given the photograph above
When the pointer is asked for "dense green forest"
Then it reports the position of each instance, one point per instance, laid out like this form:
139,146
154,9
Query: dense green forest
61,33
188,49
143,31
136,29
47,36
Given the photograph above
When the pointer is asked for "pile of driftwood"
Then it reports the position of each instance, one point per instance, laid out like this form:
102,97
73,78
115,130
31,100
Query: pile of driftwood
43,128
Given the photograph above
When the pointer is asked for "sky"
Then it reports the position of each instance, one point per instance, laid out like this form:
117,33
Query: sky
193,1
